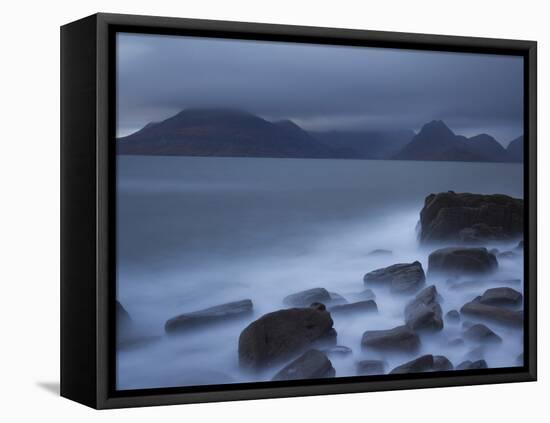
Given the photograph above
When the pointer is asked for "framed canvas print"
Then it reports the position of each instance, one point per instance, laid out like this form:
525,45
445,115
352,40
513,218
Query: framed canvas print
255,211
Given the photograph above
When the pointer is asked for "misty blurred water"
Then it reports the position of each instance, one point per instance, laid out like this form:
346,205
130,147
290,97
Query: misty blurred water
194,232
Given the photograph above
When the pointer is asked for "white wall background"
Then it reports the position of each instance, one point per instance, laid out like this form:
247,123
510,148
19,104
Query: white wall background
30,209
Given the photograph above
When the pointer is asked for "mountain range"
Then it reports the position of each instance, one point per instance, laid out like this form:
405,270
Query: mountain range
236,133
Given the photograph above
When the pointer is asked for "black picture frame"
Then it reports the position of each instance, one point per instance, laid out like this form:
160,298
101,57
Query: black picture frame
88,199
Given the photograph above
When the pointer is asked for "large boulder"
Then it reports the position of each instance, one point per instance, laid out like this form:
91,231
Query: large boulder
367,306
400,338
424,312
403,278
312,364
217,314
503,296
283,334
313,295
493,313
458,261
481,333
449,216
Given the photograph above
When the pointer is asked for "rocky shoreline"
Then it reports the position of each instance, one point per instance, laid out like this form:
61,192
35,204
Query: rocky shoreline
300,340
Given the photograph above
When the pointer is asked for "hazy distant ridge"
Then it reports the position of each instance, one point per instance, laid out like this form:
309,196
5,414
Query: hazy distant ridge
236,133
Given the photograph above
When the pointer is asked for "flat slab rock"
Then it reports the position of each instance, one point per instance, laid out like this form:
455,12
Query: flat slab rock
403,278
368,306
424,312
280,335
400,338
491,313
207,316
459,261
313,364
465,217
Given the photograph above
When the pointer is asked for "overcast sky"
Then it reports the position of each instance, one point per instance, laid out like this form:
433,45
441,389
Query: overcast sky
318,87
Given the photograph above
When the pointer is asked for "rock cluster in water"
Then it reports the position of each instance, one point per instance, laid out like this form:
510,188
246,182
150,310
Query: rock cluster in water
299,342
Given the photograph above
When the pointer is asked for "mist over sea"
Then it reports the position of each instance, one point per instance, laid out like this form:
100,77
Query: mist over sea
194,232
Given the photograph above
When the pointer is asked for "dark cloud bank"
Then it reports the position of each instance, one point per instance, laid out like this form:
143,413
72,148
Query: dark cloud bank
321,88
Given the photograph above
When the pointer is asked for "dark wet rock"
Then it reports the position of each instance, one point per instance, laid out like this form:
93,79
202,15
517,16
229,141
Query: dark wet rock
456,342
481,333
405,278
217,314
479,233
318,306
502,296
465,217
423,363
307,297
472,365
494,251
442,364
380,252
328,339
508,255
453,316
283,334
313,364
338,351
400,338
371,367
368,306
424,312
462,261
493,313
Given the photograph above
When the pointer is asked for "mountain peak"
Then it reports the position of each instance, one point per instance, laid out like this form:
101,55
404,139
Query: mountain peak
436,127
